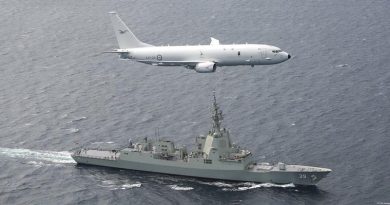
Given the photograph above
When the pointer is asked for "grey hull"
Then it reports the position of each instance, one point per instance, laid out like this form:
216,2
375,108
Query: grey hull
277,177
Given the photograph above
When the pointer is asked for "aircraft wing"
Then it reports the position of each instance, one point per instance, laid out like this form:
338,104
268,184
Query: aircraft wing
115,52
171,63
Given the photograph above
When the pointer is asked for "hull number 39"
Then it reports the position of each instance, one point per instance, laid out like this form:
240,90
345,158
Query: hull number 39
302,176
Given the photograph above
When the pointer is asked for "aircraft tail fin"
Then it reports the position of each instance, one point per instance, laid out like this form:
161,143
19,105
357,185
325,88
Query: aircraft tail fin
124,36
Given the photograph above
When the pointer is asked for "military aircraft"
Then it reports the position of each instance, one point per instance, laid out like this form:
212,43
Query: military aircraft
200,58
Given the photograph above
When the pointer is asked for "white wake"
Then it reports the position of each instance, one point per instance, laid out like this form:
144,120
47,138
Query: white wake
40,155
118,184
250,185
243,186
180,188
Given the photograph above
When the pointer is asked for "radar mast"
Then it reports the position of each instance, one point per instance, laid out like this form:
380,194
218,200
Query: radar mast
217,116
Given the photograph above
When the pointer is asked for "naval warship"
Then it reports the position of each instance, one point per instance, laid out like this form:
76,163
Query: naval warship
215,157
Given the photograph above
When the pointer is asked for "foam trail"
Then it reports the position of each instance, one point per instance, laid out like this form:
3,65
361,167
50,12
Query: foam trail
115,185
50,156
264,185
249,185
218,184
180,188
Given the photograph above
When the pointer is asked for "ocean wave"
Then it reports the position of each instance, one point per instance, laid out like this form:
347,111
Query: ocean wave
35,163
130,186
73,130
342,65
115,185
78,119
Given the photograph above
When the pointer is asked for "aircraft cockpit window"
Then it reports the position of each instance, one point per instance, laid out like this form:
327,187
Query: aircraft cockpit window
276,51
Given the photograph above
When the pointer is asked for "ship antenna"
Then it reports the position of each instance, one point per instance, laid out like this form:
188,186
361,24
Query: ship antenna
157,132
217,116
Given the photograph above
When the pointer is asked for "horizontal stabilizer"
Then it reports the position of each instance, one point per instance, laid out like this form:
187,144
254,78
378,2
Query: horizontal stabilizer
117,51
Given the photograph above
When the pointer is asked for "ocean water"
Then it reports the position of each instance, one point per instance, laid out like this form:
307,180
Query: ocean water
328,106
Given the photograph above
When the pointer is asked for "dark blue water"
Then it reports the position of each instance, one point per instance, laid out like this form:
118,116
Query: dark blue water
328,106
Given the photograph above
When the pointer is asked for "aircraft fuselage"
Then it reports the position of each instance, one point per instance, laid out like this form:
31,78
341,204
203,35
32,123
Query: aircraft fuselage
222,55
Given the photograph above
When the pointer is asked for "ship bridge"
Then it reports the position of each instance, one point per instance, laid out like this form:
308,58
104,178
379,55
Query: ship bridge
217,145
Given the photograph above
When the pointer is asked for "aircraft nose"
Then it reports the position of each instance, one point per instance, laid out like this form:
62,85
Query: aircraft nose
289,56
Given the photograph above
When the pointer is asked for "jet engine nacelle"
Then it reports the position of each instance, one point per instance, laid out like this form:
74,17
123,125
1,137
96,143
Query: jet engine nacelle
205,67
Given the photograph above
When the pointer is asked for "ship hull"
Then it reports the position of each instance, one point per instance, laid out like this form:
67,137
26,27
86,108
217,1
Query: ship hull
306,178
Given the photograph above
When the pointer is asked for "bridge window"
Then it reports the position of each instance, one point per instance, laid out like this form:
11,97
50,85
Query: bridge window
208,161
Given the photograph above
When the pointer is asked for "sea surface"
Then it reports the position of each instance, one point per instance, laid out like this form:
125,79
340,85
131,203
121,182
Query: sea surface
328,106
